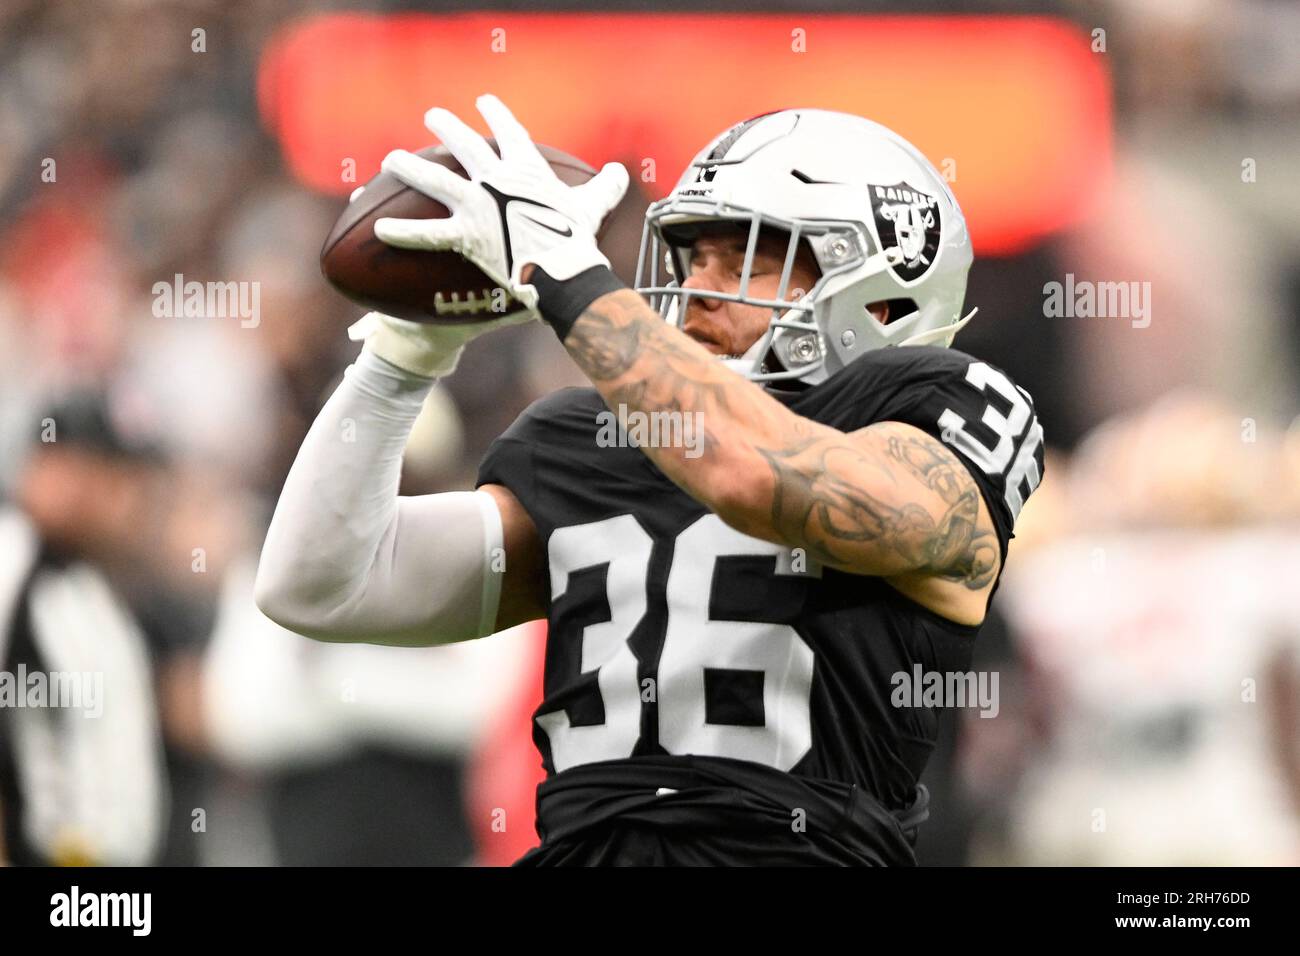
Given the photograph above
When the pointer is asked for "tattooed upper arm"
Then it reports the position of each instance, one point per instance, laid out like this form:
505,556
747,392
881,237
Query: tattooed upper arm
888,499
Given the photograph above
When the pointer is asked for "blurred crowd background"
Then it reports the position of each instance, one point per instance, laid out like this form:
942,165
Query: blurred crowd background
1147,634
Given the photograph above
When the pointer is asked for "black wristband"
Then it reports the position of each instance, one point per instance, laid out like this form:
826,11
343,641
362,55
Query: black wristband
561,302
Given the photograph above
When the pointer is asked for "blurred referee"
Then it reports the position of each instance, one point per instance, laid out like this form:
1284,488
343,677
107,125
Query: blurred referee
81,769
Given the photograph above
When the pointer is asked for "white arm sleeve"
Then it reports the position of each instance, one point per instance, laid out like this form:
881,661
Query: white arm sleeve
346,559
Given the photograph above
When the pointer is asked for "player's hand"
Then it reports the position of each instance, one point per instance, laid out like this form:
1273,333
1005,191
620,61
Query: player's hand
513,210
429,349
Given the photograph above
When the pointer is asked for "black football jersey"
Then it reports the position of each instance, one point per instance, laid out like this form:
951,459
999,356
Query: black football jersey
701,678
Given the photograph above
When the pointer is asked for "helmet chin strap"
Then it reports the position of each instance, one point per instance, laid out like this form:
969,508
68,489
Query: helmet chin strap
944,335
742,364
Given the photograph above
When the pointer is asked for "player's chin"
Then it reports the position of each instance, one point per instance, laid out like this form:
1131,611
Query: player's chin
709,344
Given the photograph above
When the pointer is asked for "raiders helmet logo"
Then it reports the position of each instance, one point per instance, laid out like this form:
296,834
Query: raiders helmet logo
909,219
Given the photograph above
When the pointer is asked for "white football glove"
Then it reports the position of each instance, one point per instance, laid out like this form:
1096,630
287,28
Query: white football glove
429,349
512,211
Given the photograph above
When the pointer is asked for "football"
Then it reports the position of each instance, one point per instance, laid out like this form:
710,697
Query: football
419,285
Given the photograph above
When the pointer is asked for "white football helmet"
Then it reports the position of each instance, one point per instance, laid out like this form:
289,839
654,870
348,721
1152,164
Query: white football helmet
878,217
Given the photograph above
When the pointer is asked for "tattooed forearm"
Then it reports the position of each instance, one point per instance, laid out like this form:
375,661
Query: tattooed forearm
605,347
613,339
884,500
638,363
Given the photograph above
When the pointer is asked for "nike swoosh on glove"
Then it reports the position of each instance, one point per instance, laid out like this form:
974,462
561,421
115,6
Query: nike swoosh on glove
512,211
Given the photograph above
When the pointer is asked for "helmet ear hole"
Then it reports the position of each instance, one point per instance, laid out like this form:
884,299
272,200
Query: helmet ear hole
898,309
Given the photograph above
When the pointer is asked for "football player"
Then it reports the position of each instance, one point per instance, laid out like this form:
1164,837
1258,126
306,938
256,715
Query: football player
806,495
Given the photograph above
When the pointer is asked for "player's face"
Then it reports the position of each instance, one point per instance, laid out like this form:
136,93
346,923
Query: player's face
717,258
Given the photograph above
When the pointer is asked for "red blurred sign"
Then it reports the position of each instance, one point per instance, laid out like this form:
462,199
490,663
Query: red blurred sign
1015,110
